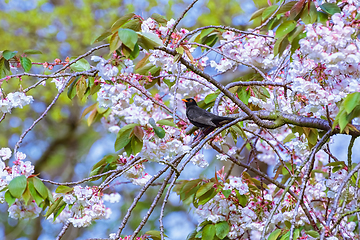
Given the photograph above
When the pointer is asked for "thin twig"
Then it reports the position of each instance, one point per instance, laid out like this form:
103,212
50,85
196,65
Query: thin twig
306,179
141,193
349,155
147,94
177,22
270,18
232,59
265,176
219,27
153,205
63,230
176,87
17,145
292,180
247,83
336,201
68,65
2,117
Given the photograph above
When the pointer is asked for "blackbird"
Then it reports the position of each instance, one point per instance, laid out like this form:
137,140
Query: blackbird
202,118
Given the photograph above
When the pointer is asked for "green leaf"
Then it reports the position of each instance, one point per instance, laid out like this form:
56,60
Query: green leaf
244,94
8,54
80,65
128,149
139,133
269,11
195,37
60,208
338,163
204,189
296,9
102,37
121,21
208,232
25,63
351,101
166,123
286,236
133,24
313,233
289,137
40,187
188,185
280,45
63,189
294,34
115,42
242,198
17,186
155,235
191,235
226,193
36,196
210,97
222,229
206,32
313,136
206,197
159,18
81,87
4,67
309,14
136,145
285,28
286,7
149,40
54,206
123,136
330,8
71,93
159,131
296,234
134,54
210,39
257,13
32,52
169,83
26,196
180,50
128,37
10,199
274,235
295,42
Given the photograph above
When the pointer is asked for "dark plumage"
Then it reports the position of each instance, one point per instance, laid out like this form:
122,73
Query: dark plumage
202,118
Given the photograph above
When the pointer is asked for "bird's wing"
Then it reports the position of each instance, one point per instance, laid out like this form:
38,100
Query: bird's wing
220,120
200,116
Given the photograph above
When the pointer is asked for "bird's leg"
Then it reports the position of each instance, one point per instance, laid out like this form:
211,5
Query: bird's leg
203,132
208,130
198,135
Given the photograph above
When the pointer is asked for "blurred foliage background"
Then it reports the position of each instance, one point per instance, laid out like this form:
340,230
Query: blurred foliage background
62,146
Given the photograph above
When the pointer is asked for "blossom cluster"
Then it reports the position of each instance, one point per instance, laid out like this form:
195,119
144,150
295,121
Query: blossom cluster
14,100
85,205
251,218
250,50
20,167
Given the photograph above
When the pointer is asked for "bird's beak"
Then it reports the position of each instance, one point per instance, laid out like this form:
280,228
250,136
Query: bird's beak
184,100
